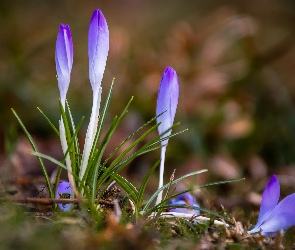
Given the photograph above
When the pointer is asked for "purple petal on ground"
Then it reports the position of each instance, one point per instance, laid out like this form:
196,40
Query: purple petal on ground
270,198
281,218
167,100
269,201
64,191
185,199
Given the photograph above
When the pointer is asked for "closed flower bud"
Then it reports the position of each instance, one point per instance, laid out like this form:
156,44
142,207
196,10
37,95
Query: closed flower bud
64,59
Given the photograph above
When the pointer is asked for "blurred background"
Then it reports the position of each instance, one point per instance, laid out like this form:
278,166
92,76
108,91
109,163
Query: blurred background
235,62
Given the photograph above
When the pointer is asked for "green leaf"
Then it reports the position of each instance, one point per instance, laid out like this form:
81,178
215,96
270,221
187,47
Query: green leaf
102,148
168,184
50,123
128,138
220,182
145,181
51,195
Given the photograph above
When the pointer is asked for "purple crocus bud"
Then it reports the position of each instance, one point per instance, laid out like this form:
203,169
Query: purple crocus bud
64,59
64,191
185,199
274,217
98,48
167,100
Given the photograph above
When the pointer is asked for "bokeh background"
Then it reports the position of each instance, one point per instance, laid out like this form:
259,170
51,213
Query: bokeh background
235,62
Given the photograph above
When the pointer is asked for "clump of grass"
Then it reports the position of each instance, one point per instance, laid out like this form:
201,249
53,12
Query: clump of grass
124,219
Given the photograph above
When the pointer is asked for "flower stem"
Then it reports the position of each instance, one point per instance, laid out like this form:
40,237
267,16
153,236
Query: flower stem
90,134
64,147
161,175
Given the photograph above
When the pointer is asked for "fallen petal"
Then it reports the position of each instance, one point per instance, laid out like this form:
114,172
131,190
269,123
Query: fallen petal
269,201
185,199
281,218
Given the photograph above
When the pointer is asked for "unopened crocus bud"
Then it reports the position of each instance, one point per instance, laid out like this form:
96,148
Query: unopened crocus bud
167,102
185,199
98,48
64,191
64,59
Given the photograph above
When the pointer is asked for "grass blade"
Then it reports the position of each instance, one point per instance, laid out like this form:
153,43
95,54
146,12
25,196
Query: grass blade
171,183
50,123
51,195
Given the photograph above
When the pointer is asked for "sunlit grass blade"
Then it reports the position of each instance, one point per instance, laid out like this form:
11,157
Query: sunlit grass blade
135,143
78,156
58,163
168,184
220,182
162,205
75,137
70,160
117,168
94,153
104,143
51,195
159,139
50,123
49,158
100,152
145,181
128,138
128,187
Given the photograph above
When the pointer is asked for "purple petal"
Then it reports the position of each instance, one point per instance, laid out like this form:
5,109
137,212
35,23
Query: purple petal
64,58
281,218
64,191
185,199
98,48
167,100
269,201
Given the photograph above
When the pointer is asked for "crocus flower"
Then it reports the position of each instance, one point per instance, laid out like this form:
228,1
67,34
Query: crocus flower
167,102
274,217
98,48
64,191
185,199
64,60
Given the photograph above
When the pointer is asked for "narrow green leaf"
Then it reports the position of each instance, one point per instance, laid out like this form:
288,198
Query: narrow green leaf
55,161
50,123
126,151
128,138
104,143
168,184
220,182
51,195
145,181
69,138
76,141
